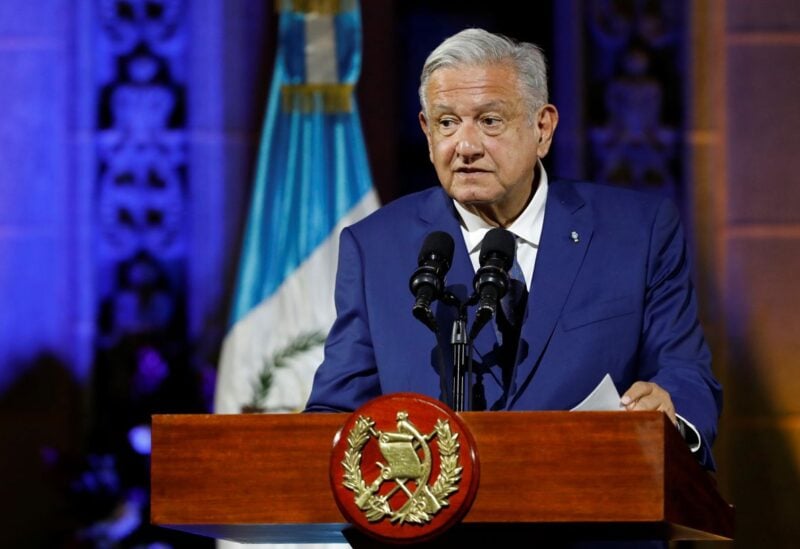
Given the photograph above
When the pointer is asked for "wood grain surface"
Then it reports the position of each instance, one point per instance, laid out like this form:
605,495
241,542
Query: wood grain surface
265,477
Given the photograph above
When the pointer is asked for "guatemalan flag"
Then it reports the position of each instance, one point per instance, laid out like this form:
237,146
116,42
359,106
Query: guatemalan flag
312,180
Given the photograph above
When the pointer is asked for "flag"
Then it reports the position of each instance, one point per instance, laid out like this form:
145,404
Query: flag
312,179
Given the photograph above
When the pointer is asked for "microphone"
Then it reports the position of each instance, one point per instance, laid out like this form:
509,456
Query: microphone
491,280
427,282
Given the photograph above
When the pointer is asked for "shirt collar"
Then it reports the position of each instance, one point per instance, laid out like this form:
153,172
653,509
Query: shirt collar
527,227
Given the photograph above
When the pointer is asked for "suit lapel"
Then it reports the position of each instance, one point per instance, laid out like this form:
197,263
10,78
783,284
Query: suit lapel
566,236
438,214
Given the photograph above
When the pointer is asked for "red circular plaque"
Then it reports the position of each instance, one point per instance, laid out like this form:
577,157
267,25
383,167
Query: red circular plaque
404,468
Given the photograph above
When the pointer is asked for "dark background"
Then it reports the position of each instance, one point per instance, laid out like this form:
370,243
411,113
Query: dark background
121,221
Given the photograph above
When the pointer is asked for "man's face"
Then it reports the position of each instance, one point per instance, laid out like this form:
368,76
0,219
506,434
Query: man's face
481,140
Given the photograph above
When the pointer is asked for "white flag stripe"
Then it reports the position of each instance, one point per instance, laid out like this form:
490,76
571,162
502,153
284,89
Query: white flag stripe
303,303
320,50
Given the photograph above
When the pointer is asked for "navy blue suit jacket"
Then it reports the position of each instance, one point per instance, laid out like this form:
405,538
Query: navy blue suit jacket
619,301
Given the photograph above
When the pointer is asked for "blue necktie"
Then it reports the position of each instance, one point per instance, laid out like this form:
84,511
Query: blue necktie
509,319
513,303
509,324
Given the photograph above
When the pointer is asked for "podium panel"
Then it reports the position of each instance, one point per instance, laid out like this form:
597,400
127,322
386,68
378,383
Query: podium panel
544,475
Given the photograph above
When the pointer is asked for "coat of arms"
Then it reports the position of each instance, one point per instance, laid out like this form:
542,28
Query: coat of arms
407,467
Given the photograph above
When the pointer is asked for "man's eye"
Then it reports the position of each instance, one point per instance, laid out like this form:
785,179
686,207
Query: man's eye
492,125
447,126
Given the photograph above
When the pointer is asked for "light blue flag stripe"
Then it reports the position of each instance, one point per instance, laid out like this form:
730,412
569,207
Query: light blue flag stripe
312,168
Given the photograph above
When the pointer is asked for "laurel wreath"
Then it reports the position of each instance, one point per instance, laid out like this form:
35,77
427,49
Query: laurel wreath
450,474
376,507
279,359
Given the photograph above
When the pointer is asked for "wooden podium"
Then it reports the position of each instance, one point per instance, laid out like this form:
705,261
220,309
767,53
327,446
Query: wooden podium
543,475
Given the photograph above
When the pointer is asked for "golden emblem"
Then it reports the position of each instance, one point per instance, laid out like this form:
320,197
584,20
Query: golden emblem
404,466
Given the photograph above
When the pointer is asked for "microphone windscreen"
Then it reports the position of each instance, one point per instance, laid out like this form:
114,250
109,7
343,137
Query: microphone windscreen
440,244
501,244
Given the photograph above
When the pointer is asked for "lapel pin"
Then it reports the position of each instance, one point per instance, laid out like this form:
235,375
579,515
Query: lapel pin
574,236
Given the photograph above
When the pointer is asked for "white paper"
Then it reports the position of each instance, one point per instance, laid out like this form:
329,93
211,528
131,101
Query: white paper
603,398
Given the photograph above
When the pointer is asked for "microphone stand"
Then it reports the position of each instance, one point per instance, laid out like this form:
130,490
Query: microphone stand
461,340
462,355
461,361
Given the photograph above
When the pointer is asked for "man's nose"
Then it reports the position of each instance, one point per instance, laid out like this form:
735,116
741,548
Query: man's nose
469,146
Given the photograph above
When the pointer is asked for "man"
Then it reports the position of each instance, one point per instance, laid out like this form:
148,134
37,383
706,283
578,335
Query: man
606,269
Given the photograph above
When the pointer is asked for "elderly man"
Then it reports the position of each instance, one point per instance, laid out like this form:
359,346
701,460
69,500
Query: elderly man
605,269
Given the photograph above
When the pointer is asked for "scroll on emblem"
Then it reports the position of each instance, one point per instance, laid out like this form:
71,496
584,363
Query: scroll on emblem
404,468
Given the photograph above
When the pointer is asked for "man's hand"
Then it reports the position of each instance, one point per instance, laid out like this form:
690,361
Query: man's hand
644,395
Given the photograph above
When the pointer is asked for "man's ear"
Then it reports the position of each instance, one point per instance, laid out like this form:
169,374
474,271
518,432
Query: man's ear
546,122
423,123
